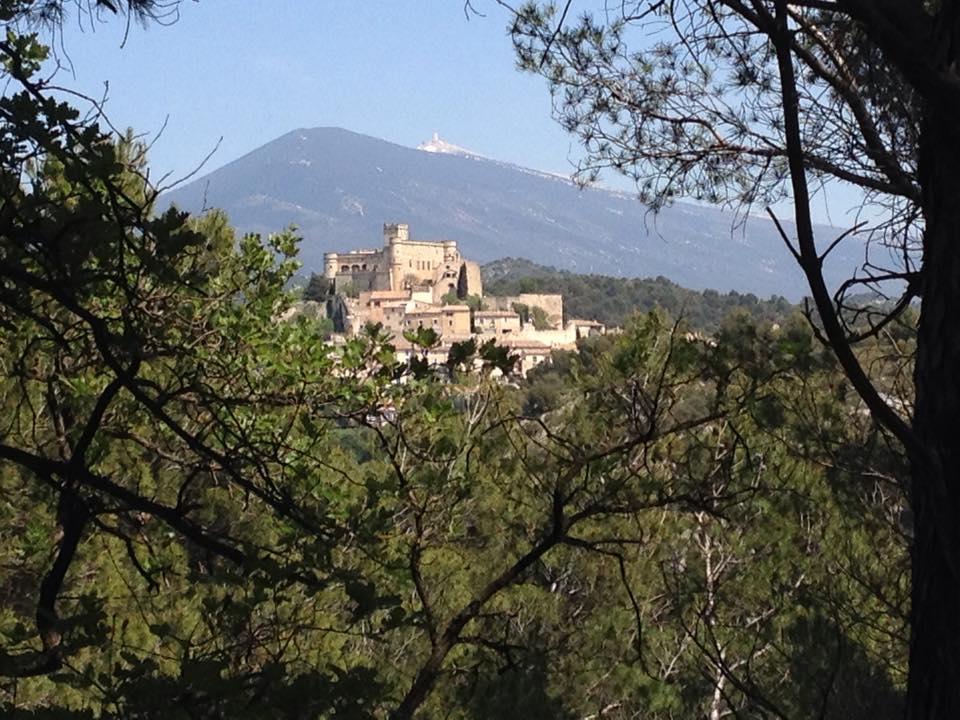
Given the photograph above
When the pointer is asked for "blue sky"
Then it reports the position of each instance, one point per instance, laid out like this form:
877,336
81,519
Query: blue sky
248,71
251,70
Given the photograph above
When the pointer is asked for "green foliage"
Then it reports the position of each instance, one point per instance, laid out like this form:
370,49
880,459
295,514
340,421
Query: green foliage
462,354
612,300
422,337
318,288
348,289
523,310
498,357
535,315
207,512
474,302
538,316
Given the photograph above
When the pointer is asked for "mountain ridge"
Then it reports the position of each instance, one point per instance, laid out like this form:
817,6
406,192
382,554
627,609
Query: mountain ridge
339,187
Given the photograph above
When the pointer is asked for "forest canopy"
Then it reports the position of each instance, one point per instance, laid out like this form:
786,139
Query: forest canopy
612,300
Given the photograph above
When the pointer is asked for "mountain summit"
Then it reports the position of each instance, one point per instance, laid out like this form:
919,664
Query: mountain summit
339,188
437,145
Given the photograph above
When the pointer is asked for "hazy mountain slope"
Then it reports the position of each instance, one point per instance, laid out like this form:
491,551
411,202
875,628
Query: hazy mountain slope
339,187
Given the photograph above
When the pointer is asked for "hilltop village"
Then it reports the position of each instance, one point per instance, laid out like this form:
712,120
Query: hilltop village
409,284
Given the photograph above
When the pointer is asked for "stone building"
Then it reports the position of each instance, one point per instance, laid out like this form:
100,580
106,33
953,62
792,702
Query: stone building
387,307
405,264
447,320
551,304
496,322
530,353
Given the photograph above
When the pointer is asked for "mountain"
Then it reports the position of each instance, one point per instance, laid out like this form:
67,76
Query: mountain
339,187
437,145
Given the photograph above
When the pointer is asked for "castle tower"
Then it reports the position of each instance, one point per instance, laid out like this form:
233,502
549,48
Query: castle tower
330,265
450,254
394,235
394,232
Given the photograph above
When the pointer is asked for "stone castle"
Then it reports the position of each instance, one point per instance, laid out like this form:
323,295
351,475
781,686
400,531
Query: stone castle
410,284
405,264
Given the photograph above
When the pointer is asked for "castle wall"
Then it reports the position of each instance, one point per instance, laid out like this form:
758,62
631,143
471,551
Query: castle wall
393,318
552,305
351,314
373,304
449,320
428,317
469,280
456,320
363,281
402,264
496,322
362,269
356,260
421,263
563,339
445,281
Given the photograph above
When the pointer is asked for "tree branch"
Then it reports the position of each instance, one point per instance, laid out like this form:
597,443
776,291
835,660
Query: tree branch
810,261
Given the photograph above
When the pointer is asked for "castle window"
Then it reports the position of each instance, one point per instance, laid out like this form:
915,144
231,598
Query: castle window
355,268
363,267
345,268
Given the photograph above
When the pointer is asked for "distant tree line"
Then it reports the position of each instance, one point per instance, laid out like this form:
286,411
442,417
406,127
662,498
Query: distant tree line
612,300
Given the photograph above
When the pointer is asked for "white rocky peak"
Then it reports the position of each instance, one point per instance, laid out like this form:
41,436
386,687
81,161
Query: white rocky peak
437,145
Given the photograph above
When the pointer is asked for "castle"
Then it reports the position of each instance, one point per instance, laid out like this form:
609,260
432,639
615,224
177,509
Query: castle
405,264
410,284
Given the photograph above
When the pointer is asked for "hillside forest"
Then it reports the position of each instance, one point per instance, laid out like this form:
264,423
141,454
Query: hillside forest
612,300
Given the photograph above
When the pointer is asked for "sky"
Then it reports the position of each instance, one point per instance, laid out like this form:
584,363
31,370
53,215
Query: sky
248,71
231,75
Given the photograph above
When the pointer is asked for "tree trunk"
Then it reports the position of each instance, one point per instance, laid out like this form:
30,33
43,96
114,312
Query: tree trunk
934,680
